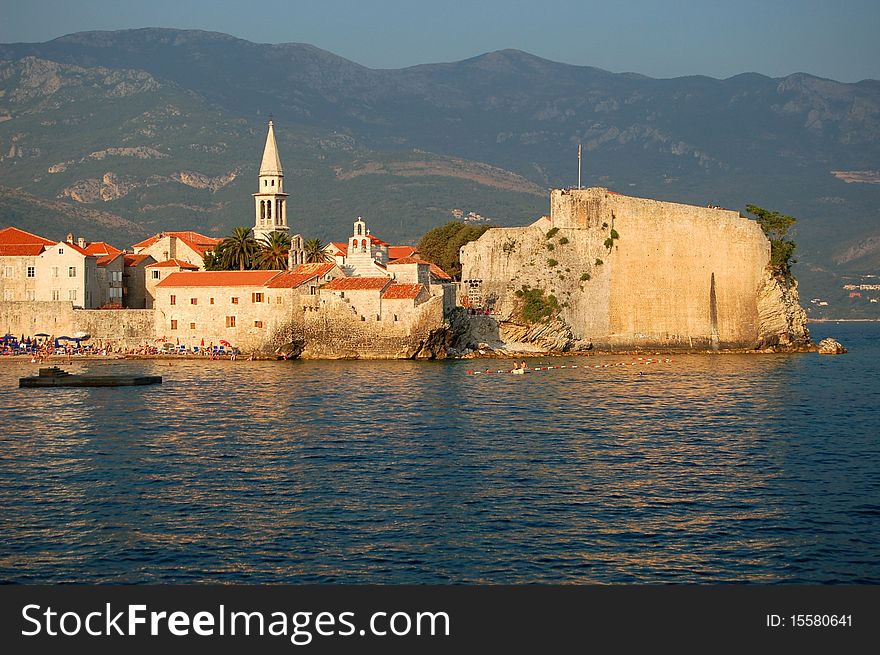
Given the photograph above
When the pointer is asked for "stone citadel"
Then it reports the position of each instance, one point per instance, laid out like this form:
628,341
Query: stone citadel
615,272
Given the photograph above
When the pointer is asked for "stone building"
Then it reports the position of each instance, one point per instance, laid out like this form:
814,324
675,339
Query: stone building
187,246
19,256
134,278
155,272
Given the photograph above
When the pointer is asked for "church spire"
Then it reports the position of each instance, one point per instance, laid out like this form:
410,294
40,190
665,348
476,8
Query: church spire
270,201
271,164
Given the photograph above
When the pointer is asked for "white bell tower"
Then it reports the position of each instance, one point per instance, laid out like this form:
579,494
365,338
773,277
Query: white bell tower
270,201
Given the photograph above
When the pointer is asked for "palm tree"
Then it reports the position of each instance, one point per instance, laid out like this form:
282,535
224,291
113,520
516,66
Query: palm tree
239,249
273,251
315,253
213,259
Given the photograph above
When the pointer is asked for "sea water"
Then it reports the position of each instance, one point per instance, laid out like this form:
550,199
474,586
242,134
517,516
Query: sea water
707,468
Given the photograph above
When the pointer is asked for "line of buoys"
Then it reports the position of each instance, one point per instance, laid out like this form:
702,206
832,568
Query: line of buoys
639,360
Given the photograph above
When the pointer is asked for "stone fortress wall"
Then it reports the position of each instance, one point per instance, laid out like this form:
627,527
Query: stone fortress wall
676,275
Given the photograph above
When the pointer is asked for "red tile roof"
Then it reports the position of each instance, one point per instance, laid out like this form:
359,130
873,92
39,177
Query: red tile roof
13,236
397,252
403,291
300,275
358,284
439,272
218,279
67,244
98,248
174,263
436,271
20,249
408,260
341,245
135,260
377,241
107,259
197,242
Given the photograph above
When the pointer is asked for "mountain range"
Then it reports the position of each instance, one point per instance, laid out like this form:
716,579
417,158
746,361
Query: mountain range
121,134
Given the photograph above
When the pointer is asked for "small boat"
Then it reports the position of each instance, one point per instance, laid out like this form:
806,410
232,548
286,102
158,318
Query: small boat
56,377
519,371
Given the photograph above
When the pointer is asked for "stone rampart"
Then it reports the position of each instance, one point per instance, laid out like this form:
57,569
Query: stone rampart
631,272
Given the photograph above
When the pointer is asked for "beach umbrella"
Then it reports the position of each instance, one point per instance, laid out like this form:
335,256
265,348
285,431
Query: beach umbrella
203,342
82,336
161,339
42,335
224,342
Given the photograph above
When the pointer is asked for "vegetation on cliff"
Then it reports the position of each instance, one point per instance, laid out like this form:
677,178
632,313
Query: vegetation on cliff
776,227
441,245
536,307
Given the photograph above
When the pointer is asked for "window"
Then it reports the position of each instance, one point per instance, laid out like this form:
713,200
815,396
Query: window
30,294
54,271
71,294
173,300
173,324
56,294
230,321
71,271
155,274
7,294
313,290
234,301
193,301
192,326
277,300
212,301
257,297
395,317
258,324
273,182
61,251
8,271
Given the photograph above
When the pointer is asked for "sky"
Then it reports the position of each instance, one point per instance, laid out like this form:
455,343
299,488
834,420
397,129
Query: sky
660,38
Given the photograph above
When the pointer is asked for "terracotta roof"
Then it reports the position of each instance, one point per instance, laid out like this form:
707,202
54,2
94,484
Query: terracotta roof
408,260
358,283
341,245
315,268
20,249
436,271
289,280
197,242
402,291
397,252
174,263
377,241
67,244
107,259
98,248
13,236
439,272
218,279
135,260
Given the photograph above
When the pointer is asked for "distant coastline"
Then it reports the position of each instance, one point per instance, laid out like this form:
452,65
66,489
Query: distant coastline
843,320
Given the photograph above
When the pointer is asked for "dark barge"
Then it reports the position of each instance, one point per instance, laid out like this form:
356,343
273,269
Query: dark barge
56,377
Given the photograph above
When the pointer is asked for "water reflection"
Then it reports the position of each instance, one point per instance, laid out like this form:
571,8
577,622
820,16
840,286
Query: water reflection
710,468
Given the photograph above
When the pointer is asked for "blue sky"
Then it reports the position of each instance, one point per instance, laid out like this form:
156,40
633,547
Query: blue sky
839,40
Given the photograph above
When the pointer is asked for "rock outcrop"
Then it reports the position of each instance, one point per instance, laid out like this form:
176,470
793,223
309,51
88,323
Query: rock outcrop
831,346
782,322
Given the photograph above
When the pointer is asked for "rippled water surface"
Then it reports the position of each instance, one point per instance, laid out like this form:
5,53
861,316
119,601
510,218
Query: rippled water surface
706,469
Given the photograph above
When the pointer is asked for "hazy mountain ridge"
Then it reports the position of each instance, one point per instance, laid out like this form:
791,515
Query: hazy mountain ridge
747,138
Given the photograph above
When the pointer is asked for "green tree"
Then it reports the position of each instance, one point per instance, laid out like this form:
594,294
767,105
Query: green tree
776,227
442,244
239,250
315,253
213,260
273,252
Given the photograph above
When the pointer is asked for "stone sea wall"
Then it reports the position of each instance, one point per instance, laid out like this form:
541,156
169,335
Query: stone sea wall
124,328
